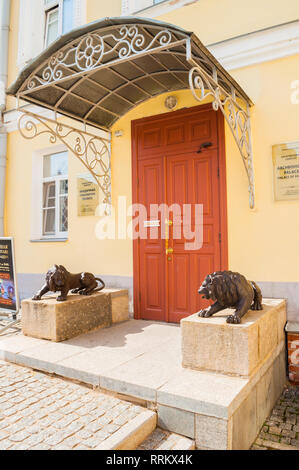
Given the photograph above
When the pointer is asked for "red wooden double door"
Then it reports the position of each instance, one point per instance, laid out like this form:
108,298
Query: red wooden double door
178,158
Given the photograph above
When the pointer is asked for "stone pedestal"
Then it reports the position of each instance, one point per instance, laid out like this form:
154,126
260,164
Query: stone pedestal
248,358
211,344
59,321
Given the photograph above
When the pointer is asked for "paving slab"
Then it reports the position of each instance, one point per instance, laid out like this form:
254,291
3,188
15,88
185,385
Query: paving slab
144,375
91,356
201,392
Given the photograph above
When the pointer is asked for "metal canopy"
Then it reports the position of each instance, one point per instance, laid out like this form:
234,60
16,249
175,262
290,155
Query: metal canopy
97,73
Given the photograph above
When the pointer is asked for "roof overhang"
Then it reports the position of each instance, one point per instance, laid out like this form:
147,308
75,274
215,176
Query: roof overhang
98,72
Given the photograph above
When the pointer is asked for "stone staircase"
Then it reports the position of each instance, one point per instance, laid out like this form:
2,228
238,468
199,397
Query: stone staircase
43,412
160,439
141,433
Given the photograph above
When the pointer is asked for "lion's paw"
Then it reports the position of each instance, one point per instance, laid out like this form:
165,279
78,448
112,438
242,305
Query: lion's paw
233,319
36,297
204,313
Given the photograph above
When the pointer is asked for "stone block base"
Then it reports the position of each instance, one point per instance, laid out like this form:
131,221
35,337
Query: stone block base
222,412
232,377
59,321
211,344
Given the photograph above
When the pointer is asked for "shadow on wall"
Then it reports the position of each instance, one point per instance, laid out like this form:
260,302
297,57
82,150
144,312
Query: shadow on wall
283,290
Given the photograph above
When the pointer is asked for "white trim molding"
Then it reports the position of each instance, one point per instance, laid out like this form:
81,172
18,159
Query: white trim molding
261,46
129,7
31,31
79,13
11,117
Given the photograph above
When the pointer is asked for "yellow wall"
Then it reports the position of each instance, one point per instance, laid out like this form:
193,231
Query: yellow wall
217,20
96,9
213,20
263,243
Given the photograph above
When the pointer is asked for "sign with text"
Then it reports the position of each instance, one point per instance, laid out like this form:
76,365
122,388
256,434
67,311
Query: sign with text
286,171
8,284
88,195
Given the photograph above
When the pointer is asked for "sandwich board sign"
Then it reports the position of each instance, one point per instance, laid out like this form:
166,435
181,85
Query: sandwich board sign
9,299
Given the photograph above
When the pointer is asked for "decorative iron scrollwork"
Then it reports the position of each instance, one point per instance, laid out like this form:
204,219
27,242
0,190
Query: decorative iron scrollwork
94,50
93,151
235,112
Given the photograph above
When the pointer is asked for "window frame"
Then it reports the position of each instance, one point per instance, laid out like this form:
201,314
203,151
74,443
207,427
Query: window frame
57,180
37,199
48,8
53,179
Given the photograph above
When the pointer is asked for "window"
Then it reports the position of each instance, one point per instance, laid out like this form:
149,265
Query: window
55,195
59,19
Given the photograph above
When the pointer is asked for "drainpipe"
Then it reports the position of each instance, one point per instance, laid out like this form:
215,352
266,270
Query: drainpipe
4,31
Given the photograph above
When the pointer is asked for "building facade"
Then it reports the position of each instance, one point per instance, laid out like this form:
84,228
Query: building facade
169,148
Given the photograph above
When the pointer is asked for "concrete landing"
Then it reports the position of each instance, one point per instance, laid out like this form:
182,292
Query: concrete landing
142,360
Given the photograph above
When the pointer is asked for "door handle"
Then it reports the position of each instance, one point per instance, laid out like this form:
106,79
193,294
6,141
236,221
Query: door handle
168,250
205,145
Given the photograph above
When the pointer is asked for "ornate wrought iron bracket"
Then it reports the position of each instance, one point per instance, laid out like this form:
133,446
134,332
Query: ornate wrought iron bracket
93,151
235,110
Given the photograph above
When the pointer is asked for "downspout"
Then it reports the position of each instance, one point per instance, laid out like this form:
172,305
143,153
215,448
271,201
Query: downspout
4,32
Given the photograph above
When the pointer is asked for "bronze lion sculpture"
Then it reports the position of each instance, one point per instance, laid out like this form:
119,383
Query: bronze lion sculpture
230,290
59,279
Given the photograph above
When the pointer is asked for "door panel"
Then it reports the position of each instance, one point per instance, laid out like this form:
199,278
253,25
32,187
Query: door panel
170,169
192,179
152,262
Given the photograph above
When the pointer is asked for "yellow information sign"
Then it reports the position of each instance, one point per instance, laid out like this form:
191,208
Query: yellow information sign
286,171
88,195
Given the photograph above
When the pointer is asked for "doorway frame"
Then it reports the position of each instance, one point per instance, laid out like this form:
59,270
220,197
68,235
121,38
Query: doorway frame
222,189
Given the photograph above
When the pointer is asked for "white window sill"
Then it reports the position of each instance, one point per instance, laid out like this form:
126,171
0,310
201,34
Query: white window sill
50,240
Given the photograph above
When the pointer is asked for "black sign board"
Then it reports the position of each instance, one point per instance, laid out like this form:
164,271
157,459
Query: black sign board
8,284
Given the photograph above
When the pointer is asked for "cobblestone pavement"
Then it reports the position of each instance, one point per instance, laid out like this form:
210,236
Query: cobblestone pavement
40,412
281,429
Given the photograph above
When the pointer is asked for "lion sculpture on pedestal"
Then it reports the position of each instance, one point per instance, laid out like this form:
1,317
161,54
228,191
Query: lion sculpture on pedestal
59,279
230,290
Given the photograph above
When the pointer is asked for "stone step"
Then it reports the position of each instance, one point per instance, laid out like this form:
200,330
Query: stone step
160,439
132,434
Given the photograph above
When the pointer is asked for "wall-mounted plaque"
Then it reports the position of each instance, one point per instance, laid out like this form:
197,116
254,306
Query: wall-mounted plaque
9,299
88,195
286,171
